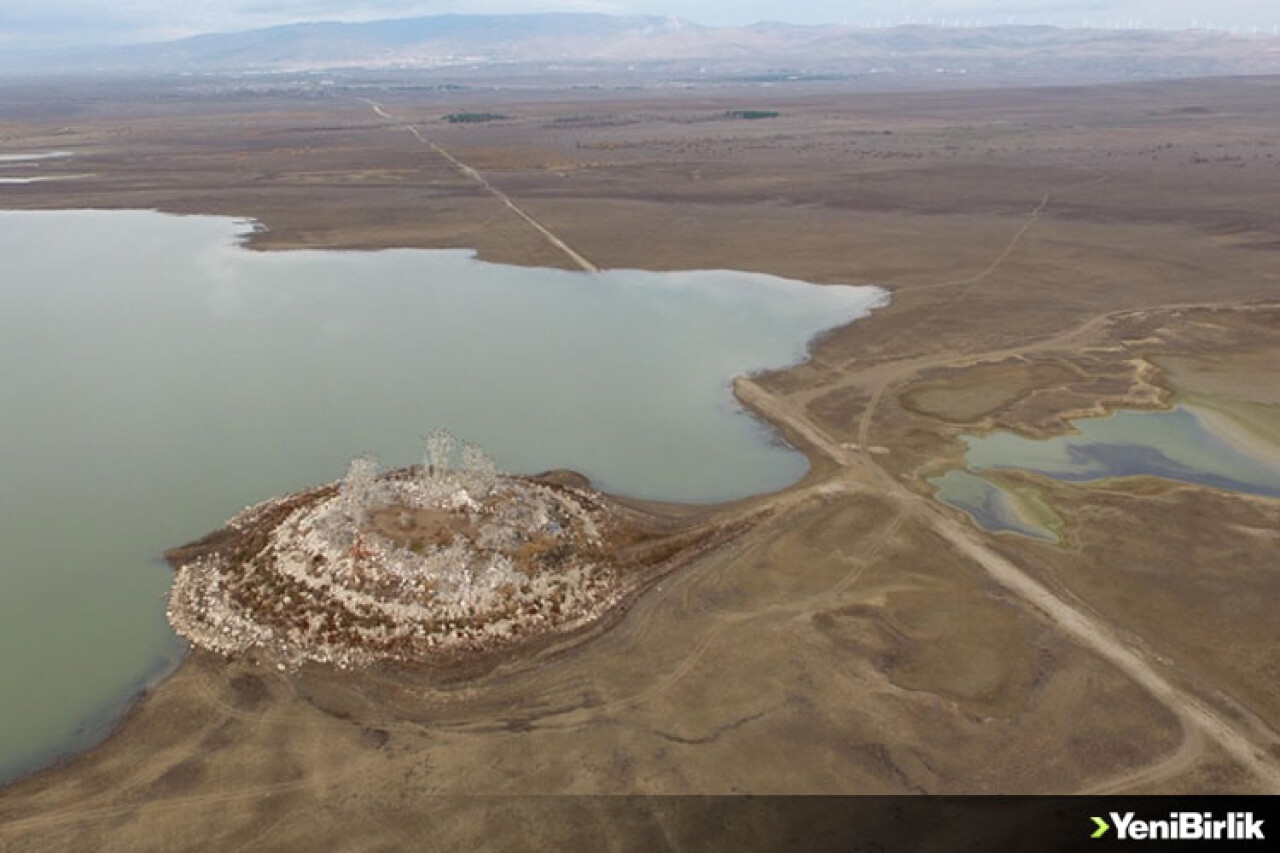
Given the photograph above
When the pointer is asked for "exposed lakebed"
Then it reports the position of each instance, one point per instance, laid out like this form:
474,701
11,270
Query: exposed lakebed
1211,443
158,377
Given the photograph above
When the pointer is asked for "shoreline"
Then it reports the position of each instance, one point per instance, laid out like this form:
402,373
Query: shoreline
106,722
851,635
550,646
454,668
111,721
1218,419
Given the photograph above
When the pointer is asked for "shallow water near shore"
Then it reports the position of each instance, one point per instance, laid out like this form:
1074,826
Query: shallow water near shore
158,378
1207,443
34,156
1179,444
992,507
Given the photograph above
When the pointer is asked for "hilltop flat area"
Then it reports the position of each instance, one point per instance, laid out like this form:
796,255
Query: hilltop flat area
1051,252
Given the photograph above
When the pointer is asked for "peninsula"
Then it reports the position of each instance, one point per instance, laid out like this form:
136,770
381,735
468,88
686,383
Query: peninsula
443,558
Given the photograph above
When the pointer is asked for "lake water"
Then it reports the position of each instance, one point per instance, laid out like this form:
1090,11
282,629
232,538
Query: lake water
1192,444
157,378
990,506
1177,445
31,161
35,156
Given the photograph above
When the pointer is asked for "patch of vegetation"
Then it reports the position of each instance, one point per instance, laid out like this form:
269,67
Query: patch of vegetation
779,77
473,118
751,115
435,87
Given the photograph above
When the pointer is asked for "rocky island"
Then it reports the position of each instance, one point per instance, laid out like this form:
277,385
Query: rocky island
449,555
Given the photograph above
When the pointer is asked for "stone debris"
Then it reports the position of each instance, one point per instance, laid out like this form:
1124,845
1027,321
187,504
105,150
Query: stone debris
397,566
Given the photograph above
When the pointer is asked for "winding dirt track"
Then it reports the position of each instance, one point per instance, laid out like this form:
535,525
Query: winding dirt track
906,368
1246,738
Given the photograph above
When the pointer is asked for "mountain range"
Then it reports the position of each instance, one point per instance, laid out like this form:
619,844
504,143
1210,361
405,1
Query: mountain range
596,40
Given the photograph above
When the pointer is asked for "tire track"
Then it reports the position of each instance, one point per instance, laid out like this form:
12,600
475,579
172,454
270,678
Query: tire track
1248,742
480,179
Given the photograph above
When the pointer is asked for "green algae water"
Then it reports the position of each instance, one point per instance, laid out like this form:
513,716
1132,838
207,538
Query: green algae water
1207,443
157,378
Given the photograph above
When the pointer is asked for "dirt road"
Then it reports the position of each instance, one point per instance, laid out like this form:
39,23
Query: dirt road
480,179
1250,742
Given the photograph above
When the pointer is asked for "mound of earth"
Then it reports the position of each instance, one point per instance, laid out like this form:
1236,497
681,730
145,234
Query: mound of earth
397,566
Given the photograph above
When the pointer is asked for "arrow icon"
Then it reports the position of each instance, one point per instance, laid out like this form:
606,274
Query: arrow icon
1103,826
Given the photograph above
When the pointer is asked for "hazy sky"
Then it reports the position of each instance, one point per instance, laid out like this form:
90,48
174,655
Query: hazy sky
59,22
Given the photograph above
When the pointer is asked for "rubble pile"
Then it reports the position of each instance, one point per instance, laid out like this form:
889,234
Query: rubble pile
451,554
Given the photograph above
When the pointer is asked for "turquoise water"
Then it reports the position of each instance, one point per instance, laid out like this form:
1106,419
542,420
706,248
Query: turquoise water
157,378
1177,444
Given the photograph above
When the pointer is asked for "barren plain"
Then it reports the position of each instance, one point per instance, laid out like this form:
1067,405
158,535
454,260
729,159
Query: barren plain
1051,252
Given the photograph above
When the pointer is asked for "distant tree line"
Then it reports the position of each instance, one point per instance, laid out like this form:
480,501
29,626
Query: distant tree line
473,118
